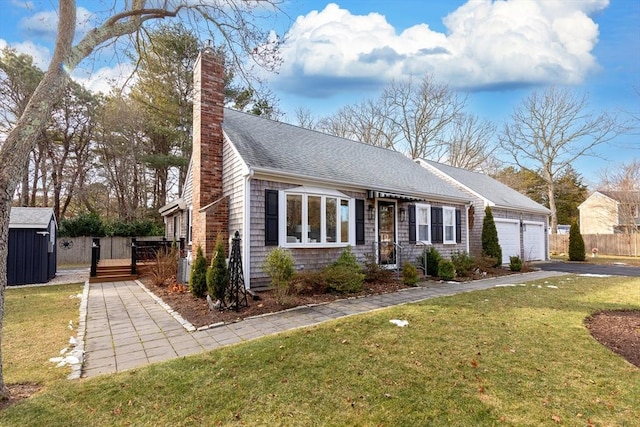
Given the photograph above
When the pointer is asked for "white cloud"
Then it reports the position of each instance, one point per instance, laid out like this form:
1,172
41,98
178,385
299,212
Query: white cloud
40,54
105,79
45,24
487,44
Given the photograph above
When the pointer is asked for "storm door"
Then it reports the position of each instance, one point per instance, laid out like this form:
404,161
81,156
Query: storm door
386,232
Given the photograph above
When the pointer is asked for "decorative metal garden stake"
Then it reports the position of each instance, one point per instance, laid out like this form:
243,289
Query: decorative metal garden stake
236,292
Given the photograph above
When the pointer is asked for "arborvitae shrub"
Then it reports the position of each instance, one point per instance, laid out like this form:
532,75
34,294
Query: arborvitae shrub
198,279
348,259
433,258
576,244
463,263
490,244
343,279
446,270
515,263
410,274
217,273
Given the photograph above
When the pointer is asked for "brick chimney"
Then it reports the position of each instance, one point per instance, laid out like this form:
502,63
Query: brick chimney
210,209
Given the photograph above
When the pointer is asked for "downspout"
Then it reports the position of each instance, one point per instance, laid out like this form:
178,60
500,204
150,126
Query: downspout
246,220
468,206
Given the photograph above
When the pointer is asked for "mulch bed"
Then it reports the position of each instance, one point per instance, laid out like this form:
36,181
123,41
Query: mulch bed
619,331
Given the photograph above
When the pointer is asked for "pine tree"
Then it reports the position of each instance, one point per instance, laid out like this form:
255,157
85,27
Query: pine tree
198,280
576,244
490,244
217,273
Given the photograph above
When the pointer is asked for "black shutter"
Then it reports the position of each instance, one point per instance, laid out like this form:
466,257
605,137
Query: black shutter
359,222
271,217
436,225
458,226
412,223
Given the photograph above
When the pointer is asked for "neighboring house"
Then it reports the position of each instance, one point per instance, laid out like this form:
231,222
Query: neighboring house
522,224
312,193
32,246
610,212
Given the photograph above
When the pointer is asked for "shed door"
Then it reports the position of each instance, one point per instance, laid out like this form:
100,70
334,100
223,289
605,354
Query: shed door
533,238
508,237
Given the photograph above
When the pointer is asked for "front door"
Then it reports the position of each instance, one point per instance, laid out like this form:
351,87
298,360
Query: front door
386,232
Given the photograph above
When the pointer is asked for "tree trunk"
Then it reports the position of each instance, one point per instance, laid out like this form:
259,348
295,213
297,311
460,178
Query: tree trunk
22,139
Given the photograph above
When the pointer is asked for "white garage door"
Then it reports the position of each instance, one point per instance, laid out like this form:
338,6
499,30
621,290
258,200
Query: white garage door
533,238
509,238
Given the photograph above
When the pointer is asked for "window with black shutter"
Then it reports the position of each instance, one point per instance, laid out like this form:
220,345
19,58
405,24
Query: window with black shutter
458,226
359,222
412,223
271,217
436,225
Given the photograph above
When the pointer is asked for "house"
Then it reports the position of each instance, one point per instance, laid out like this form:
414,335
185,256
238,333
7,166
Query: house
312,193
522,224
32,246
610,212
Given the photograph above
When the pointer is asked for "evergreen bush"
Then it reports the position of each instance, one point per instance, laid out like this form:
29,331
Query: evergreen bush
218,273
446,270
433,258
343,279
374,272
490,243
576,244
198,279
515,263
410,274
463,263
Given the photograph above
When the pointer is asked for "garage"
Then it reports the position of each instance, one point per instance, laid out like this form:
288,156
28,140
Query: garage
534,239
508,237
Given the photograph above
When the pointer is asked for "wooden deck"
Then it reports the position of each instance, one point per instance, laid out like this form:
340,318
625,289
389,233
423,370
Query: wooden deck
117,270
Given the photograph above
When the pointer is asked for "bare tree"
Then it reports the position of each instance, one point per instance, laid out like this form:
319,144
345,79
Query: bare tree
230,21
424,112
622,182
470,144
304,118
549,130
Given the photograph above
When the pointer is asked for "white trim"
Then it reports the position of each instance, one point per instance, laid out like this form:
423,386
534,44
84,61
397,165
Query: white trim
428,208
446,241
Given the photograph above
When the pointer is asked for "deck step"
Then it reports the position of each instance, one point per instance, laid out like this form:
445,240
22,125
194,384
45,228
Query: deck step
112,278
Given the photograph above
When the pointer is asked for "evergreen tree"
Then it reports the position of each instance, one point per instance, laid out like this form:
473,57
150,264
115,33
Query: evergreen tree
490,245
576,244
198,280
217,273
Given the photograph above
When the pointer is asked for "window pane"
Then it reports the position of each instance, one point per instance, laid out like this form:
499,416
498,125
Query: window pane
344,221
332,219
294,218
449,225
423,233
448,233
423,224
313,218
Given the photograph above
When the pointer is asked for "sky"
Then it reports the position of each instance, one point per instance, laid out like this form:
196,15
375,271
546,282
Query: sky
494,52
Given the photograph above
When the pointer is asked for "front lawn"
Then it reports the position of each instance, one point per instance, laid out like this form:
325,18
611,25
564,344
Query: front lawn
517,355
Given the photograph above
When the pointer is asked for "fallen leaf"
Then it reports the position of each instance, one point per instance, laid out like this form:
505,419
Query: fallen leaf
556,418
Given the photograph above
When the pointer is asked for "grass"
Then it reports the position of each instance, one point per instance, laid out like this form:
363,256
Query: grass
515,356
36,329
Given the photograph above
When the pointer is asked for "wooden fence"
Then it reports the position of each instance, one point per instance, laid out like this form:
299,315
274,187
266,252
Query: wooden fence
607,244
77,250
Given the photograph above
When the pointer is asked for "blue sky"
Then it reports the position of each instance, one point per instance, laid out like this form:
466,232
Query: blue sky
496,52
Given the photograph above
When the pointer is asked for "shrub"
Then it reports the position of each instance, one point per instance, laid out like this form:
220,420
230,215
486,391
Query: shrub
343,279
347,259
85,224
576,244
165,266
446,270
278,265
309,283
374,272
515,263
198,279
410,274
463,263
217,273
433,258
490,244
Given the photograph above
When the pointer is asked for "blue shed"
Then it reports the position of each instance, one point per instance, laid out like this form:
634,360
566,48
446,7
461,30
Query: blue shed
32,246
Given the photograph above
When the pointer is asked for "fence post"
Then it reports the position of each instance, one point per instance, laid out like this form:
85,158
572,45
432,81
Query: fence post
95,256
134,256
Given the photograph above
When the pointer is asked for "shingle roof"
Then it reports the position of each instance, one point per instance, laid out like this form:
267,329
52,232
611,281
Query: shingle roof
489,188
30,217
628,196
284,148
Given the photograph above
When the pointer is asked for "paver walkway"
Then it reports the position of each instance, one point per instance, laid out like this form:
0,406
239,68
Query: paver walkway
127,328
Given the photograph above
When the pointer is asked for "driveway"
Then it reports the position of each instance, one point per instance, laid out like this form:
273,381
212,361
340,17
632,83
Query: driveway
589,268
